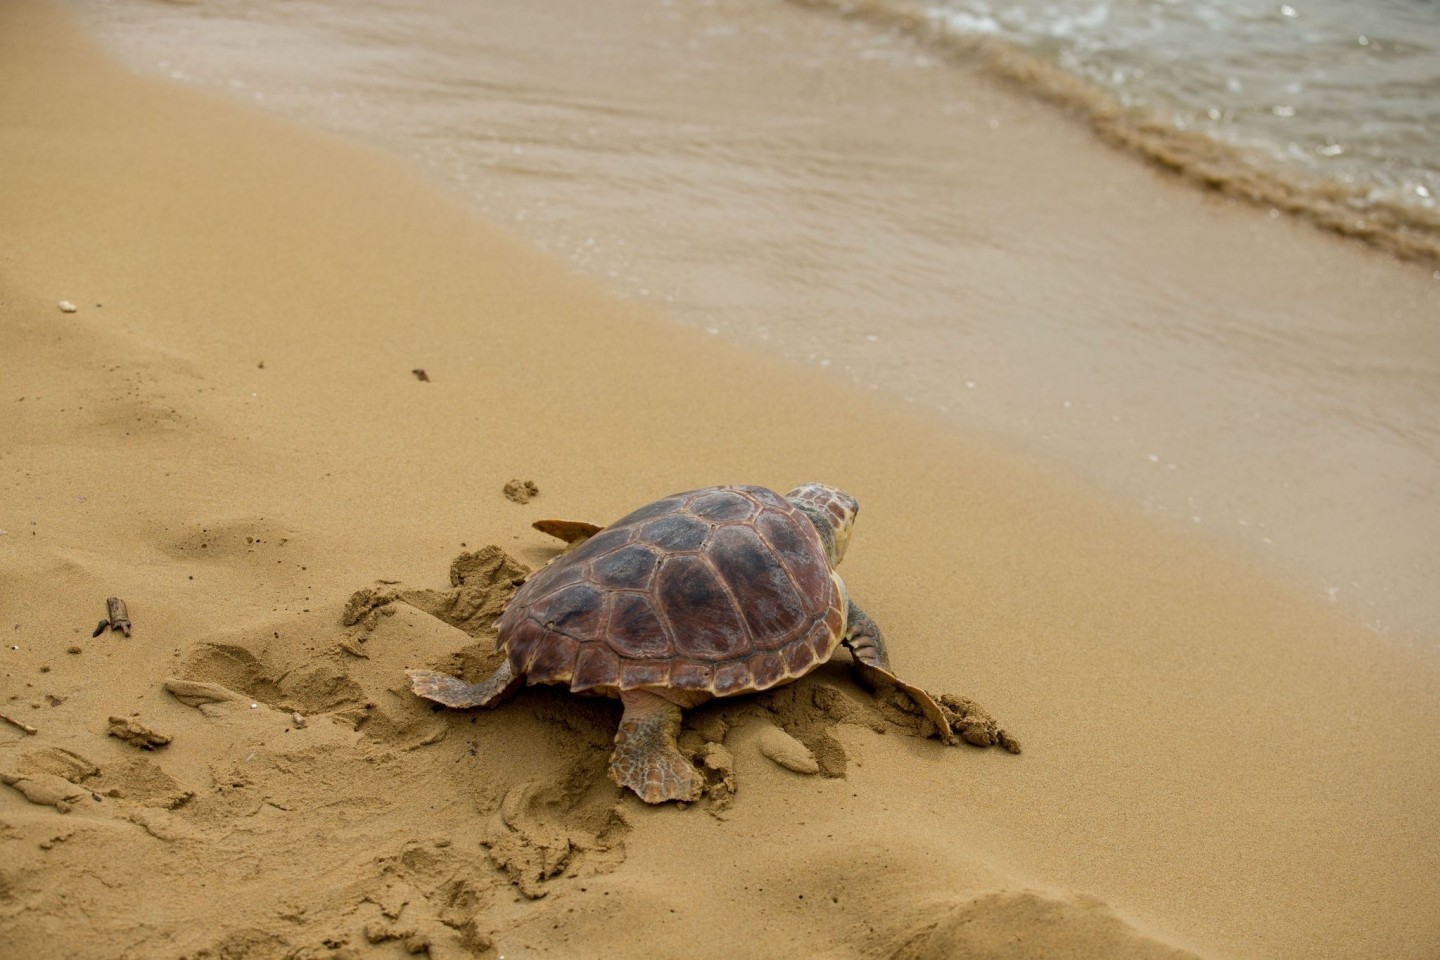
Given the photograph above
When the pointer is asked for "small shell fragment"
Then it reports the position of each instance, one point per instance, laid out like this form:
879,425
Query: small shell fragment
67,307
787,751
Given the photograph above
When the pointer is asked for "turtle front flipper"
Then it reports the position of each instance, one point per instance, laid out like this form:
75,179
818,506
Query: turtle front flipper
647,758
454,692
954,718
864,640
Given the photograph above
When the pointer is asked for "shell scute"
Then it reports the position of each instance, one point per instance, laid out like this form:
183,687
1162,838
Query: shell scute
782,531
691,674
801,556
660,508
628,568
550,579
723,505
602,543
643,673
822,641
773,608
675,533
732,677
798,657
577,610
766,670
596,666
702,619
553,661
635,629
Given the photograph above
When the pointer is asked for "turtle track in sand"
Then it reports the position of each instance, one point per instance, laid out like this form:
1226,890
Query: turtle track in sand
331,810
420,830
311,806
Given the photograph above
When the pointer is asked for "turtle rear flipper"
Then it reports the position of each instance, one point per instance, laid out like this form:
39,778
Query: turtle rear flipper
573,532
454,692
647,758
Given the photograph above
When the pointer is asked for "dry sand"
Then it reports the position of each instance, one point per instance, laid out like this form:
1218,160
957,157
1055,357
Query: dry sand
228,433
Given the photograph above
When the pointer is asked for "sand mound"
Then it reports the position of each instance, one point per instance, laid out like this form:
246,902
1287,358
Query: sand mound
1029,926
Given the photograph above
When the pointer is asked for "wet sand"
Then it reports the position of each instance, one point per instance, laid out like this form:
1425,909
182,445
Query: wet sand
859,199
228,433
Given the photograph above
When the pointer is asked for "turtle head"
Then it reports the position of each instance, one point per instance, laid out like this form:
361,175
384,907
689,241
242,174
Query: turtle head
832,511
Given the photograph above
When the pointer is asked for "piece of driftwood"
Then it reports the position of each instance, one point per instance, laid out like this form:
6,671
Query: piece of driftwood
23,726
119,618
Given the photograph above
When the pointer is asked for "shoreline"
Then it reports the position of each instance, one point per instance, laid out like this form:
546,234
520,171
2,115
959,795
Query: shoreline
1197,158
918,229
232,439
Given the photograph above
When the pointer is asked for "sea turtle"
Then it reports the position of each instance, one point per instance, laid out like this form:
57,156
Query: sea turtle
710,593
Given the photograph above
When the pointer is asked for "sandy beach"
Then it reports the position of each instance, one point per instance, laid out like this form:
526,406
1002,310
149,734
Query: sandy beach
876,205
224,426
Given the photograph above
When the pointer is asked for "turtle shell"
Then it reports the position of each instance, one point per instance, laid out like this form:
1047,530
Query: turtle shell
724,590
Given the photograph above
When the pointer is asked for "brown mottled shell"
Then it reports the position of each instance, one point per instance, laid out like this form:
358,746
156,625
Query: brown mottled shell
724,590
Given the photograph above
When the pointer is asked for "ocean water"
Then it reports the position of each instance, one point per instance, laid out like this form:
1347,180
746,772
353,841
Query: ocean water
1340,97
888,192
1350,90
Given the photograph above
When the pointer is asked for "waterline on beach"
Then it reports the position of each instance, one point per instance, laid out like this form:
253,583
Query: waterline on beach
844,195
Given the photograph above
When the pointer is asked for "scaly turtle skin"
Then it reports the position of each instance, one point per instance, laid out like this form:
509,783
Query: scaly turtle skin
710,593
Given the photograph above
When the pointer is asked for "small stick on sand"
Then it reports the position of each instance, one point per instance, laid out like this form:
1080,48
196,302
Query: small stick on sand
23,726
119,616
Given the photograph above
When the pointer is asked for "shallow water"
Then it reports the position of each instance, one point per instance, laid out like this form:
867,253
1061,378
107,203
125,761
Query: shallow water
1326,111
840,191
1351,90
